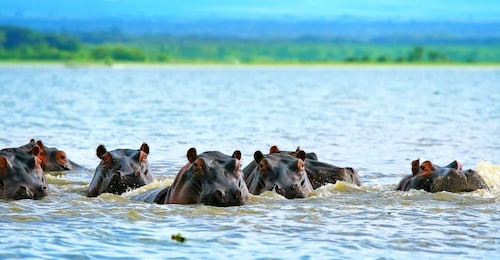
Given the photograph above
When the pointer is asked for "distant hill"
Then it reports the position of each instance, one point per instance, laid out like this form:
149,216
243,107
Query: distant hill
347,28
360,20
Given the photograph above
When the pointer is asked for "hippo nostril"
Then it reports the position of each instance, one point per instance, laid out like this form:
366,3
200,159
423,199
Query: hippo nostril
237,194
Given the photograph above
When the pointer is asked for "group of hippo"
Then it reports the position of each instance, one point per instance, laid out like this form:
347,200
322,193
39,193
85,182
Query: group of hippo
211,178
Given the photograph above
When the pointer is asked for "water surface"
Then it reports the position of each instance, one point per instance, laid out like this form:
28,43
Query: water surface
374,119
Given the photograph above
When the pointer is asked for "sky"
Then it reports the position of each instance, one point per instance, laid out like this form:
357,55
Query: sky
456,10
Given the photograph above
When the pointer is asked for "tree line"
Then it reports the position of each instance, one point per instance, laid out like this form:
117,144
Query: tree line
23,44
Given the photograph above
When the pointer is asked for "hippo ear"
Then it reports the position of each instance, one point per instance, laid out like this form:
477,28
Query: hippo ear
3,164
426,168
237,154
274,149
301,155
100,151
455,165
39,143
257,156
298,149
144,148
191,154
415,165
35,150
199,167
32,140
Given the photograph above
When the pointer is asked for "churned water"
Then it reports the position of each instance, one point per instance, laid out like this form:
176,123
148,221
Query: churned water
375,119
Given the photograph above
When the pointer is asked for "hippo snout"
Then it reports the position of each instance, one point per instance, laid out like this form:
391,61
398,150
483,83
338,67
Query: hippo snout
221,198
291,192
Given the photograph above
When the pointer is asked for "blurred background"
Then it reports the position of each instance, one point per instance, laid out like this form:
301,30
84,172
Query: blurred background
233,32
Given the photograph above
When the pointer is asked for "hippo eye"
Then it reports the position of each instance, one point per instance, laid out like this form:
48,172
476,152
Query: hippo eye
303,182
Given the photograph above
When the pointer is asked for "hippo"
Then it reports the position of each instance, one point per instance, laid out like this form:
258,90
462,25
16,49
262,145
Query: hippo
274,149
21,175
210,178
433,178
120,170
52,159
282,172
319,173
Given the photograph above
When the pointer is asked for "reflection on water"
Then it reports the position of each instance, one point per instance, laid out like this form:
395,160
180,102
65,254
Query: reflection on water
375,119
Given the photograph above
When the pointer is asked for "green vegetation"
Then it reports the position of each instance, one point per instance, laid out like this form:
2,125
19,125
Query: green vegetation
21,44
178,237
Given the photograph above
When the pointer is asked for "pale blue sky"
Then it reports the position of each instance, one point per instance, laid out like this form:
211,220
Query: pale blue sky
462,10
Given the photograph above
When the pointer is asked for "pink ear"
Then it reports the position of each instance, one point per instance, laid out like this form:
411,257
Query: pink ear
145,148
274,149
237,154
426,168
100,151
191,154
3,164
35,150
459,165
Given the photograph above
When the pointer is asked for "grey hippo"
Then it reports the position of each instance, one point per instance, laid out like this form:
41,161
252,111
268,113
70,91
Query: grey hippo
120,170
280,172
433,178
319,173
210,178
21,175
52,159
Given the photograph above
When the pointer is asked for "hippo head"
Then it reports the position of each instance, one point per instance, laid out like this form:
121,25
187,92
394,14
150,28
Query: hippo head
218,178
21,176
51,158
212,178
433,178
120,170
282,172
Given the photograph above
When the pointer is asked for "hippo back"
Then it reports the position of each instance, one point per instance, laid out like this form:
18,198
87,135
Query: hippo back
433,178
321,173
21,176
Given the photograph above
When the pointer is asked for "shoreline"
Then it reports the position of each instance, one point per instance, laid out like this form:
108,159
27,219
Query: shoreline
216,64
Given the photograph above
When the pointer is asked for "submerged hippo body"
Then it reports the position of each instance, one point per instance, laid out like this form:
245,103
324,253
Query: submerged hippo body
281,172
120,170
21,176
433,178
211,178
321,173
52,159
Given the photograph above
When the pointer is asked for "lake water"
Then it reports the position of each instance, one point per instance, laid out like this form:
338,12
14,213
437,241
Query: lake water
374,119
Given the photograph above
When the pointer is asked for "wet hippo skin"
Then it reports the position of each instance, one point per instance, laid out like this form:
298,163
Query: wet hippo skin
211,178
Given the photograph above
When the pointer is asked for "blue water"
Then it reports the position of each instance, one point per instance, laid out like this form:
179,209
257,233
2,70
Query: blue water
374,119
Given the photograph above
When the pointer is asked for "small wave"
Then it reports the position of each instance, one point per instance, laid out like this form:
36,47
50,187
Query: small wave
163,183
340,186
490,173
